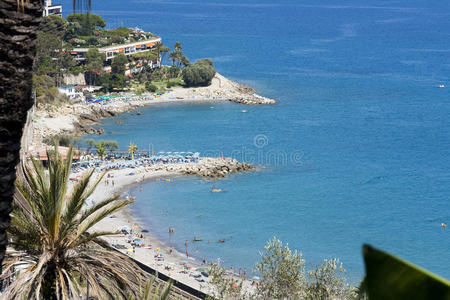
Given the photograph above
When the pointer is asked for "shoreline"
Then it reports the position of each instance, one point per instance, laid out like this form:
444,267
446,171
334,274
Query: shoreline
78,118
175,265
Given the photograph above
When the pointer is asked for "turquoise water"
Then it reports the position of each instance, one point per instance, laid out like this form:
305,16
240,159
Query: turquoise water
356,150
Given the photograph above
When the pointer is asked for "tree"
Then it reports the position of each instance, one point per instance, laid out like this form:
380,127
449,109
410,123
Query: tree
90,144
50,233
101,149
282,272
162,51
177,47
150,87
19,23
118,64
177,55
87,23
54,25
200,73
112,81
173,56
94,64
328,282
184,61
111,145
131,149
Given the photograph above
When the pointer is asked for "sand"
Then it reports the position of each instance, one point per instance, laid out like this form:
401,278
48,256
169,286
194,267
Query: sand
170,266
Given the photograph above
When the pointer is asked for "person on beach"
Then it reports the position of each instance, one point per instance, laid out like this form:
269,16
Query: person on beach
112,182
245,273
187,254
186,244
239,272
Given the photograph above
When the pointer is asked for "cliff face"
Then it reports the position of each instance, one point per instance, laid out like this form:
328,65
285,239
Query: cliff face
74,79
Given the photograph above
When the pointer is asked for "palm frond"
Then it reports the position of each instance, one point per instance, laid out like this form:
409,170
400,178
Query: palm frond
90,211
100,215
91,237
51,230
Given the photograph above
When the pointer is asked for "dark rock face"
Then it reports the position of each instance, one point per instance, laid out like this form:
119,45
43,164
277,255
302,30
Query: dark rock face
18,40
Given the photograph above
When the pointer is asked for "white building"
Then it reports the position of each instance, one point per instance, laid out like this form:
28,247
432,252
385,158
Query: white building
127,49
50,9
71,92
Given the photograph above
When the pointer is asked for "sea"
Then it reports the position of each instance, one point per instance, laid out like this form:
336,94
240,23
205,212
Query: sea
356,150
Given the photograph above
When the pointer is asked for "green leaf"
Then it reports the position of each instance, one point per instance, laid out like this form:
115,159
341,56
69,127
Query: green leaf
389,277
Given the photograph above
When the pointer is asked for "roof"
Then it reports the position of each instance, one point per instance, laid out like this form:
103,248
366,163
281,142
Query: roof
66,86
113,47
40,152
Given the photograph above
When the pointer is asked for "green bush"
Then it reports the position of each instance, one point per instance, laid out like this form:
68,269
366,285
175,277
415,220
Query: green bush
199,74
171,84
150,87
62,140
76,70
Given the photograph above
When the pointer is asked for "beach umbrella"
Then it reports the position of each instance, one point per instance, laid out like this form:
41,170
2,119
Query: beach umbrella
135,226
139,242
145,230
126,228
256,278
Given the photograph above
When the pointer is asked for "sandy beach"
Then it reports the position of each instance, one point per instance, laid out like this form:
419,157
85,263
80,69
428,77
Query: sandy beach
173,263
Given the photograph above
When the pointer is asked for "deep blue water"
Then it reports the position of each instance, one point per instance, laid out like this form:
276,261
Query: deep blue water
356,150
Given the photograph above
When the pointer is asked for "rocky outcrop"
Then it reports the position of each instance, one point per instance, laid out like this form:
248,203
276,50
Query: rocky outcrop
74,79
213,168
207,167
252,99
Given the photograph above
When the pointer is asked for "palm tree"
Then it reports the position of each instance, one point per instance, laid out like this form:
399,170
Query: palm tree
132,148
162,51
19,23
50,235
173,56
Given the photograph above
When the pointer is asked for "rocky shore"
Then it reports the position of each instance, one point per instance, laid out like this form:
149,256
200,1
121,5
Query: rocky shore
207,167
78,119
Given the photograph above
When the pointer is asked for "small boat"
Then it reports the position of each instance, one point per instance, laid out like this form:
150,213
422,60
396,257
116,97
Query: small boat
442,86
244,111
218,191
197,239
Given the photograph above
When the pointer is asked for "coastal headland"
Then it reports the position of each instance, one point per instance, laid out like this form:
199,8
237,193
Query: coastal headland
78,118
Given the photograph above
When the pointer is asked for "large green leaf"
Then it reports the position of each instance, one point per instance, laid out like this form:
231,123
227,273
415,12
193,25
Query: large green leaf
389,277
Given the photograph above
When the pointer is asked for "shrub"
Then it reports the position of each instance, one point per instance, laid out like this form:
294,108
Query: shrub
171,84
150,87
62,140
199,74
